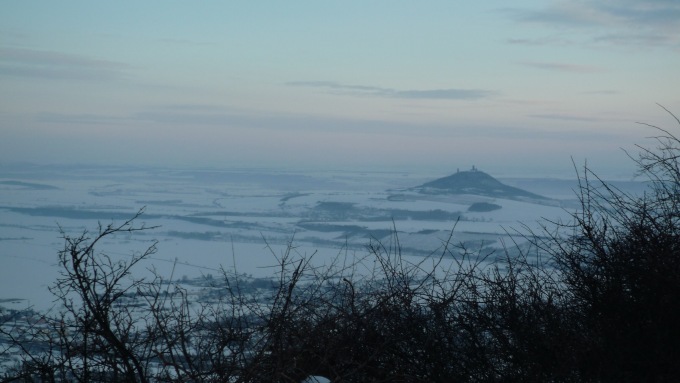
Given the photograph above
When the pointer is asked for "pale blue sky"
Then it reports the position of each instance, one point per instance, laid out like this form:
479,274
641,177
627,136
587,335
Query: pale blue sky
513,87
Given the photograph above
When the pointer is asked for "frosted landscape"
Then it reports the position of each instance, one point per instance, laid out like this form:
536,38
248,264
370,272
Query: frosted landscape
381,191
240,220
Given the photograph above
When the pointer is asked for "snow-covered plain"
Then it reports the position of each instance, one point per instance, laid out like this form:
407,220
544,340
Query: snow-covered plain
240,220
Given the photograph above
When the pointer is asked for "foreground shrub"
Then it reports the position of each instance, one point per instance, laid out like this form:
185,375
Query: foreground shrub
620,263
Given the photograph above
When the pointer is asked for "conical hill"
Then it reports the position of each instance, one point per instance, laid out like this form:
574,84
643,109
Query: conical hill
477,183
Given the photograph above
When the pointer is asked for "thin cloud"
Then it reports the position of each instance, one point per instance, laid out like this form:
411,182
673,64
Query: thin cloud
640,39
199,116
564,117
57,65
193,108
604,92
651,13
341,87
563,67
373,91
445,94
653,22
561,14
80,119
539,42
183,42
216,116
660,13
315,123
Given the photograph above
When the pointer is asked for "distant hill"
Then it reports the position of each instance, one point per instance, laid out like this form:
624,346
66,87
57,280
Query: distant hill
477,183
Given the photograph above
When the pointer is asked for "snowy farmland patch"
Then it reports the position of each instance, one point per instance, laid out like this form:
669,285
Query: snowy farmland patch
239,220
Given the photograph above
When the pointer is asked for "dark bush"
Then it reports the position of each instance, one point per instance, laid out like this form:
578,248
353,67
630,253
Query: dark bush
620,264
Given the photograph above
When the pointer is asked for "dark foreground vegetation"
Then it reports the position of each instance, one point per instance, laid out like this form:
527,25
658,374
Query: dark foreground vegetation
593,300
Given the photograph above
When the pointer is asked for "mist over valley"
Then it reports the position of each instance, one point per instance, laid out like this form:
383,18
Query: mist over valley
239,219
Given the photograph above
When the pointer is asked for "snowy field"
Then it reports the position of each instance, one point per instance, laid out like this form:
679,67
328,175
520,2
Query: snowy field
240,220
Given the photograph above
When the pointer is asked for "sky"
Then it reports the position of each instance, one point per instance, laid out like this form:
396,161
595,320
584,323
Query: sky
515,88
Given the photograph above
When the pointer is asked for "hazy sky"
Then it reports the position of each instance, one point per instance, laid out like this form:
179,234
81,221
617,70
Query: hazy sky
510,86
